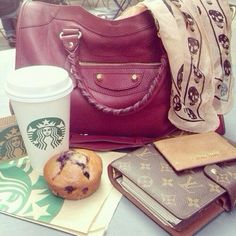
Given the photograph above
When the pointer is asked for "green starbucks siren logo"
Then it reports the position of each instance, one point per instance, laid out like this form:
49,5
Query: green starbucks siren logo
11,143
46,132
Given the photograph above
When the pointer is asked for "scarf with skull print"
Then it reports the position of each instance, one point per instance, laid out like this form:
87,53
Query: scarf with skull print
196,35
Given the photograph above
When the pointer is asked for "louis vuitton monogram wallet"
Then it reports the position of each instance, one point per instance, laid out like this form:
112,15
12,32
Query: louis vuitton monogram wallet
180,202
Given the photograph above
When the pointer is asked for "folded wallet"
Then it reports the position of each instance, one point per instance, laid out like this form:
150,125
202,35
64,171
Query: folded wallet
180,202
195,150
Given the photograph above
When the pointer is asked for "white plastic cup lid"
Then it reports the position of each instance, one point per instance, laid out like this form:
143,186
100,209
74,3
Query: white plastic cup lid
38,83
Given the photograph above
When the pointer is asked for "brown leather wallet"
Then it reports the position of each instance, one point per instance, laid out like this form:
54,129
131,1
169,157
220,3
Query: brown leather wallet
180,202
195,150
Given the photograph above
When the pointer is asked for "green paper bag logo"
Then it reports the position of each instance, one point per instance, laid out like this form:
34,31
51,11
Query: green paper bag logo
11,143
47,132
26,194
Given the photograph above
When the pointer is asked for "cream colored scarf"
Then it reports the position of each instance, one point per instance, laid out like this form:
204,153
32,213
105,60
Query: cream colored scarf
196,35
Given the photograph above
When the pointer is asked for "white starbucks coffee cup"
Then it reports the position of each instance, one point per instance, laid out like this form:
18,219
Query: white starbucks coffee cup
40,98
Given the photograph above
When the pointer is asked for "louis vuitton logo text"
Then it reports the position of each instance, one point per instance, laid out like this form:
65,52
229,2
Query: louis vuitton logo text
209,155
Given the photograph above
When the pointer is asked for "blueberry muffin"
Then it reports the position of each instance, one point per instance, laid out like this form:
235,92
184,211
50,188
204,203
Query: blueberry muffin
74,174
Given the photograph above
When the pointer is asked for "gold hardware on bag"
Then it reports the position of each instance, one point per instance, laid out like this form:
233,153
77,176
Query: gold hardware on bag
134,77
71,44
99,77
78,34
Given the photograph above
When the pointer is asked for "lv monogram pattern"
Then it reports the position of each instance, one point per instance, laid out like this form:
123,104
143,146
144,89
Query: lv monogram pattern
182,193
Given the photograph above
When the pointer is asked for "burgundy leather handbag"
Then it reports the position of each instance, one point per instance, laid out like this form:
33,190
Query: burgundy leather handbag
119,68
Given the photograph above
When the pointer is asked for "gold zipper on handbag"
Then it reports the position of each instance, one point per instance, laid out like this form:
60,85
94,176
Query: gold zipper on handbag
82,63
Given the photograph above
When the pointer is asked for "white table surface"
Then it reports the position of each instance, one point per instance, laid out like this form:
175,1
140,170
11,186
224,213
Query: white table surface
127,220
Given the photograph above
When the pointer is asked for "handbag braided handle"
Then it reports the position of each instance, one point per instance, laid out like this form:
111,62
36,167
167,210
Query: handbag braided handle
70,39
